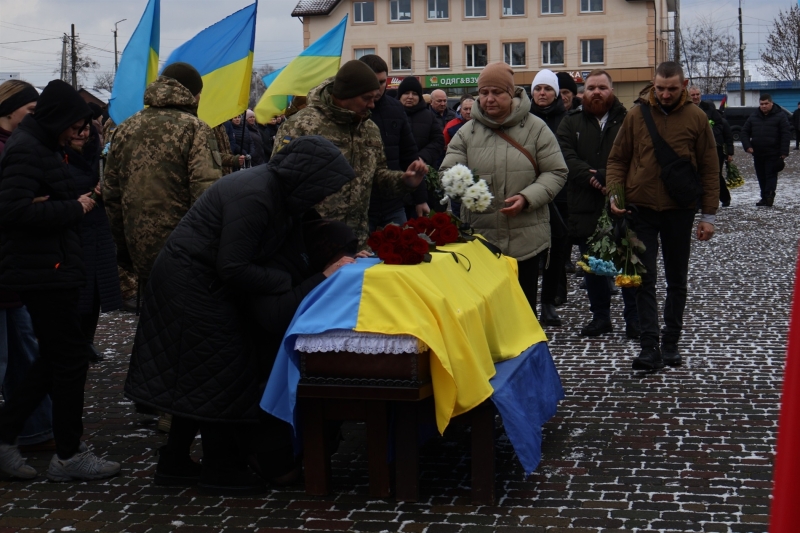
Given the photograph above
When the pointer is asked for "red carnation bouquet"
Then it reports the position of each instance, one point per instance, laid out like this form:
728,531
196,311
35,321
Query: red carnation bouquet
409,244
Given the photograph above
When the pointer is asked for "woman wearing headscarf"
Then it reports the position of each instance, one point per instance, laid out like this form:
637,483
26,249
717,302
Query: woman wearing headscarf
18,347
428,134
199,351
239,136
40,259
257,153
102,288
518,220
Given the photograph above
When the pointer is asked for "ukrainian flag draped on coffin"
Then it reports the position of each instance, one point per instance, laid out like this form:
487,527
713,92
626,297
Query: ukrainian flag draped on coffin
138,66
313,66
223,55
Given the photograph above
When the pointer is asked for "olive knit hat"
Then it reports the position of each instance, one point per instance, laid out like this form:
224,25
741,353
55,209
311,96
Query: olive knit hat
186,75
353,79
498,75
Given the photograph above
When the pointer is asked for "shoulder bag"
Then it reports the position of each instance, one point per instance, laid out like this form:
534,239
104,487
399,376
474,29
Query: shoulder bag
558,228
678,173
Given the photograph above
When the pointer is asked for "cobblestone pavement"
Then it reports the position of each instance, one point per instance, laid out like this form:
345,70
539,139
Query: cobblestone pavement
687,449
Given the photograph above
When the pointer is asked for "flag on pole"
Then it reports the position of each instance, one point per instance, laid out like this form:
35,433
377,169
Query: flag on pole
314,64
223,55
786,489
138,66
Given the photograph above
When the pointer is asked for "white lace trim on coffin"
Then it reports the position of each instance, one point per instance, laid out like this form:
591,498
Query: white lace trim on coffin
345,340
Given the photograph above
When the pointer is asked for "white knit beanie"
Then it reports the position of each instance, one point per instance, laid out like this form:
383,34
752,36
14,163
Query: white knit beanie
545,77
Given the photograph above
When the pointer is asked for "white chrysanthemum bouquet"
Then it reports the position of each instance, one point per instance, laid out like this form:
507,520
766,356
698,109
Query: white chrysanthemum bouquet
459,182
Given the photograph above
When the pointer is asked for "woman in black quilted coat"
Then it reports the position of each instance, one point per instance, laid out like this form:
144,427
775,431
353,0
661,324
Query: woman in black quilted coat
429,136
41,207
102,288
198,352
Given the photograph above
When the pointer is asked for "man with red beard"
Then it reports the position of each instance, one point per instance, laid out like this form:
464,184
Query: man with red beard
586,136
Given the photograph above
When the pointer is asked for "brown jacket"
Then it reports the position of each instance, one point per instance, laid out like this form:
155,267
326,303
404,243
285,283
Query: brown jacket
633,160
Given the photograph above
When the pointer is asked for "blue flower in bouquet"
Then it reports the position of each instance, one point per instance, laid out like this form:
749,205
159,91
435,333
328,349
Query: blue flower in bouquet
601,267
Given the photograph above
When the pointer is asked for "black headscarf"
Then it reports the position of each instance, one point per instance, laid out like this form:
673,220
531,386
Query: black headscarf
59,107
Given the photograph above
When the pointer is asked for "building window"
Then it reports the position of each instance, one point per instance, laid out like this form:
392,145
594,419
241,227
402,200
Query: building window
401,58
514,54
361,52
553,7
438,9
439,57
476,55
399,10
363,11
591,6
552,52
474,8
513,8
592,51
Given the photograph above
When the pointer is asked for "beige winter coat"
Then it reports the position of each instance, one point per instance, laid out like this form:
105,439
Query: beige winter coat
508,172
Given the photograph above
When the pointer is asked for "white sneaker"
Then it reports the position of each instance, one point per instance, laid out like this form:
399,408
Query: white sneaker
13,464
81,466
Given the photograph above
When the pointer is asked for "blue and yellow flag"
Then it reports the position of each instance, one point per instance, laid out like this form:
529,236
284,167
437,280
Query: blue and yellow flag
223,54
138,66
313,66
469,320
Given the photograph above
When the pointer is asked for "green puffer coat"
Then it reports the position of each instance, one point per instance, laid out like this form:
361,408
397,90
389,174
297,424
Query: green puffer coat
508,172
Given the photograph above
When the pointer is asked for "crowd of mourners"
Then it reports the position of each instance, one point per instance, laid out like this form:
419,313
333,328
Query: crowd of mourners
225,230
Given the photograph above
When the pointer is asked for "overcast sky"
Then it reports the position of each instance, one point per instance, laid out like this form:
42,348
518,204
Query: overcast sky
41,23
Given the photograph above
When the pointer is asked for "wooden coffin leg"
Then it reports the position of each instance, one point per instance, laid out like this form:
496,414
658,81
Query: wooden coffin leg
406,452
315,455
483,454
378,449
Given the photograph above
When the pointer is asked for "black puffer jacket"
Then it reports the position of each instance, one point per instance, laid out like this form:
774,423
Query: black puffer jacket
194,354
398,145
768,135
257,152
552,116
723,135
40,246
429,136
586,148
97,244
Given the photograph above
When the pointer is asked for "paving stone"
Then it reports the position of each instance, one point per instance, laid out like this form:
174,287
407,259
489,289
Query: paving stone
685,449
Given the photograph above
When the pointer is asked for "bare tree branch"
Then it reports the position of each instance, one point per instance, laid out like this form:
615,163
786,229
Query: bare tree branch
104,80
711,56
781,58
257,84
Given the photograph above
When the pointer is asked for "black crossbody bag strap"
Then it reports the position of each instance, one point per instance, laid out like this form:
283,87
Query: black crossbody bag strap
664,153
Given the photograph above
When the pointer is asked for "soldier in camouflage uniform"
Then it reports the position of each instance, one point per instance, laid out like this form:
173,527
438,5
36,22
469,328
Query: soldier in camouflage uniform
160,161
230,161
338,110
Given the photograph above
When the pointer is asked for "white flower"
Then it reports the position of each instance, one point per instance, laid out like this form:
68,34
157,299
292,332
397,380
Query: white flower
459,182
479,196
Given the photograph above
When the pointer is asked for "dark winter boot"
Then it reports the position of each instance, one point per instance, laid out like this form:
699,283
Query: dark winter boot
176,470
550,316
769,200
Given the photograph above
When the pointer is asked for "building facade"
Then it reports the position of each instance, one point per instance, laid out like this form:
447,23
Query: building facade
446,43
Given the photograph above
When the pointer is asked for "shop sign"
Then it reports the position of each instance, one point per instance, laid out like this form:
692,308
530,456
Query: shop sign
393,82
451,80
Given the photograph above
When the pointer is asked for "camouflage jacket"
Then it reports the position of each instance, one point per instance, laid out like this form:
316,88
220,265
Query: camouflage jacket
359,140
229,161
160,161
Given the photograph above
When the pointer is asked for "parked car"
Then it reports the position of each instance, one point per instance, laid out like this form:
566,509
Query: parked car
737,116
